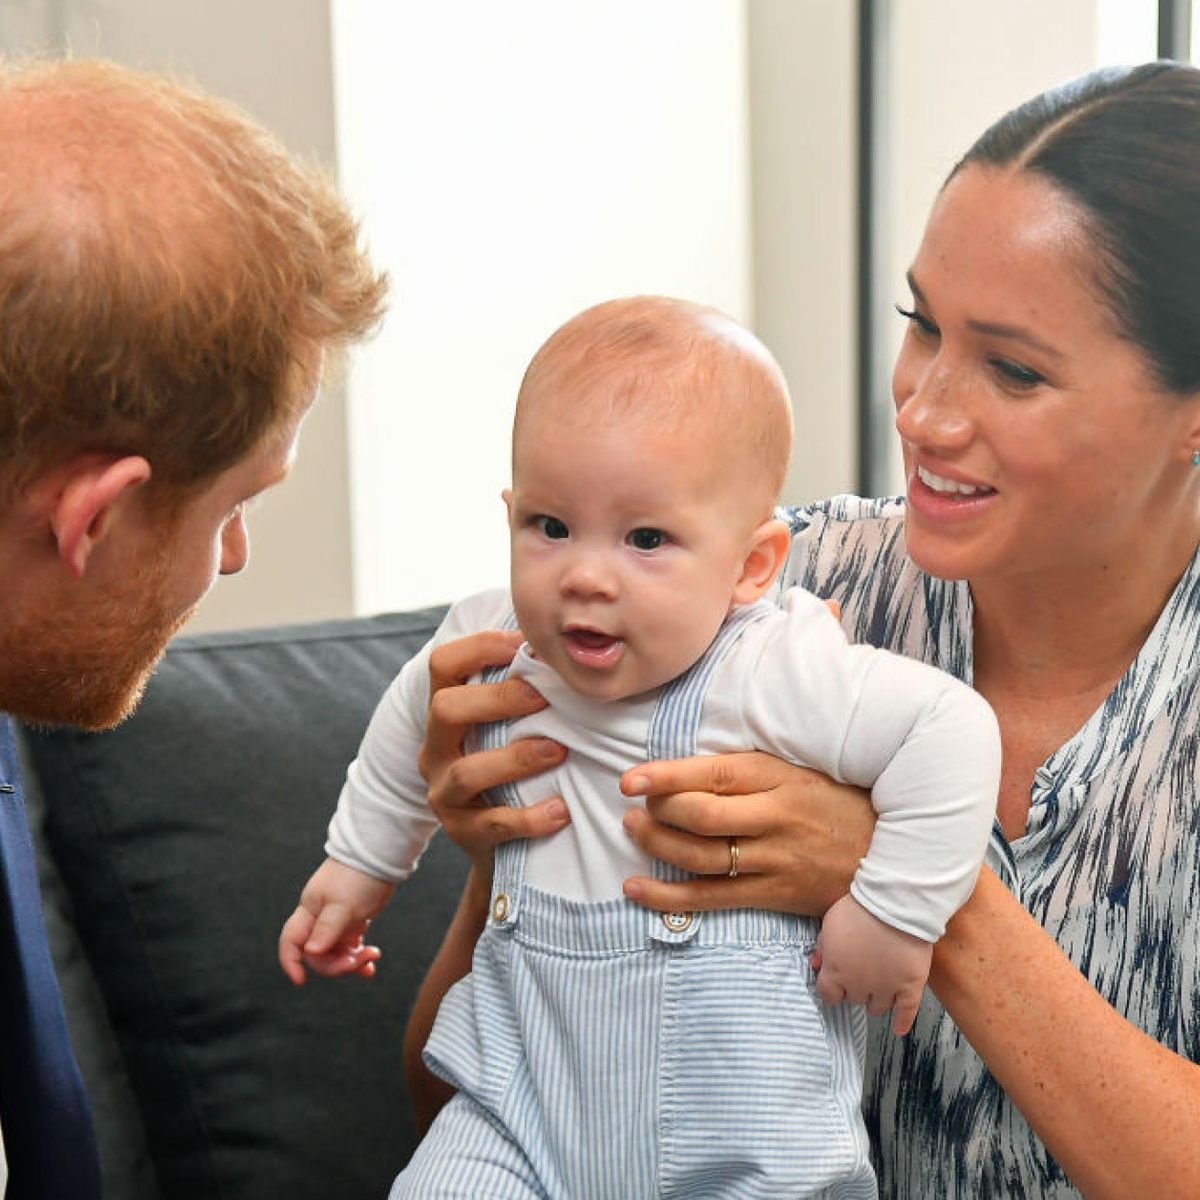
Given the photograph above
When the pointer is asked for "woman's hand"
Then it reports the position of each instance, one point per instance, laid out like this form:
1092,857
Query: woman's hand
457,780
799,834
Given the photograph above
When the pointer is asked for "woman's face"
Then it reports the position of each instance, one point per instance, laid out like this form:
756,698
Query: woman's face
1035,438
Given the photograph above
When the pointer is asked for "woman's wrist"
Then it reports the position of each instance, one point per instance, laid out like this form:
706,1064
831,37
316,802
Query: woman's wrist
476,900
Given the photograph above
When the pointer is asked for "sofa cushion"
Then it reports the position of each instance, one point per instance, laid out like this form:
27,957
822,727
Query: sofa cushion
126,1172
183,838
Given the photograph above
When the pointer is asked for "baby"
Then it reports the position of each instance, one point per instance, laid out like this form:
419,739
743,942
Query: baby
600,1049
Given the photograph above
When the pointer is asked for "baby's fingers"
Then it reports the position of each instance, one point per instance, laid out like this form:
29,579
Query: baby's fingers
356,959
877,1003
904,1011
333,925
295,933
829,989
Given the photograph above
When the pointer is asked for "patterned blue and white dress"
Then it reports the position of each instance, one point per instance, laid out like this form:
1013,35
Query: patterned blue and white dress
1109,865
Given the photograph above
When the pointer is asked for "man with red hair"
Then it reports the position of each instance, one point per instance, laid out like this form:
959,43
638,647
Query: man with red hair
170,280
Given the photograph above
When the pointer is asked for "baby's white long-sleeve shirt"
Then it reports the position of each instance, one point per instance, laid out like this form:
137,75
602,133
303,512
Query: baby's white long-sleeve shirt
925,744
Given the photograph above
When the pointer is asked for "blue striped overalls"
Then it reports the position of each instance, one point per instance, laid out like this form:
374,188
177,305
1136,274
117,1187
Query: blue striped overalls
606,1052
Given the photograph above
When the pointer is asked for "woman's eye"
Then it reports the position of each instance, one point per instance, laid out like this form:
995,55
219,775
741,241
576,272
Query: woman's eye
1014,372
552,528
922,323
647,539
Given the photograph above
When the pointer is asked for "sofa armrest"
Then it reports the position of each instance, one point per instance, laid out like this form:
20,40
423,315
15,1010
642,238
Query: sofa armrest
183,838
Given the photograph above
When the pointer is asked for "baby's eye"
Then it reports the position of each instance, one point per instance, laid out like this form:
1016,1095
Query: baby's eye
552,528
647,539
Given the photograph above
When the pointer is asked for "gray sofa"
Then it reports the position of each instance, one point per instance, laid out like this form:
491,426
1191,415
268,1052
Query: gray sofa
172,849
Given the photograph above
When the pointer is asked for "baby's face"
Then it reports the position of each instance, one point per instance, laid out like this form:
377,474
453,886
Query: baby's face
627,544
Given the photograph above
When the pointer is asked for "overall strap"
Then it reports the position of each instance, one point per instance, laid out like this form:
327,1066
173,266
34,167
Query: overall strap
674,733
508,877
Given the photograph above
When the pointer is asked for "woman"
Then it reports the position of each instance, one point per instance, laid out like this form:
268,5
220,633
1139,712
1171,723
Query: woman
1048,400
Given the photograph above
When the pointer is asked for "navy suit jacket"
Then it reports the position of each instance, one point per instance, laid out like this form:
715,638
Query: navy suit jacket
44,1112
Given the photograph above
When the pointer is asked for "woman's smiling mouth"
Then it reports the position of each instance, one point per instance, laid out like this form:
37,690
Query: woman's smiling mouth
951,487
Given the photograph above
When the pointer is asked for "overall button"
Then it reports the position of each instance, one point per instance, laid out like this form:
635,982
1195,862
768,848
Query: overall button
677,922
501,906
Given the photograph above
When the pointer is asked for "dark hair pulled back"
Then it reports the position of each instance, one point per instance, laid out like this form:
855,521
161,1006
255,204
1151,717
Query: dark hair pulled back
1124,144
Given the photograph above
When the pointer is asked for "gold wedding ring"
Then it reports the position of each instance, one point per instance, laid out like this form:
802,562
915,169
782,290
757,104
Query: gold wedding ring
735,853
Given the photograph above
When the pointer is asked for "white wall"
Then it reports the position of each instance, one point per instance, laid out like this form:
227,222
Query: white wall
804,125
514,163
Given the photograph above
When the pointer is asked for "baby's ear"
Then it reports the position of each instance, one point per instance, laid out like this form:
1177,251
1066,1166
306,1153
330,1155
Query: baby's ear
769,546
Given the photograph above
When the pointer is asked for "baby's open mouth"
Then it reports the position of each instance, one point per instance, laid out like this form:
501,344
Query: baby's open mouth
592,648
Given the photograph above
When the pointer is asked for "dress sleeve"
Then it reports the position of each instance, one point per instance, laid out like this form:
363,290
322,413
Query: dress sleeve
383,821
926,745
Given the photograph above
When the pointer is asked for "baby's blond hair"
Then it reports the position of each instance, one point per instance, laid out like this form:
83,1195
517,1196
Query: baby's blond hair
662,360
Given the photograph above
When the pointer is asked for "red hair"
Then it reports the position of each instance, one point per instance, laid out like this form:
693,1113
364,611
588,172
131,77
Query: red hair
168,273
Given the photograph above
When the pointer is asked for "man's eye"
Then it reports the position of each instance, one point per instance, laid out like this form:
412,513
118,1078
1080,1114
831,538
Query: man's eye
647,539
552,527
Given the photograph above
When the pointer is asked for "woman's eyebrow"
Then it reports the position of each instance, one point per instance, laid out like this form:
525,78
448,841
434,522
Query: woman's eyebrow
993,328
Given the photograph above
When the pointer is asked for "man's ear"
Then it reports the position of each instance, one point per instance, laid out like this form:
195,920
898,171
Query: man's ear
769,546
82,507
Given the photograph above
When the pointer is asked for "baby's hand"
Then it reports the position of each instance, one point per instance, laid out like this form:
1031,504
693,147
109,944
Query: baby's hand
326,931
861,959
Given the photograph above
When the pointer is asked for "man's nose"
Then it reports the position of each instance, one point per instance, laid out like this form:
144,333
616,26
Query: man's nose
235,545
